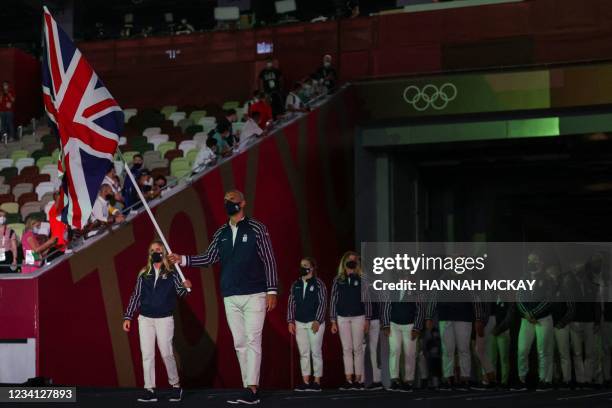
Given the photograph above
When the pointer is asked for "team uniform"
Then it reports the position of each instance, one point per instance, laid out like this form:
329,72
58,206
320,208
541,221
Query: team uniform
402,318
563,312
373,341
350,313
307,304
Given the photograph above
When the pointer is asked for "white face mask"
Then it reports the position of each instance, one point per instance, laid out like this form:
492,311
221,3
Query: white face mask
2,220
327,64
269,65
36,230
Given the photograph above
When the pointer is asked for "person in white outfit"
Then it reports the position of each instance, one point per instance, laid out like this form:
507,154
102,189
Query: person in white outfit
350,317
249,284
155,294
306,321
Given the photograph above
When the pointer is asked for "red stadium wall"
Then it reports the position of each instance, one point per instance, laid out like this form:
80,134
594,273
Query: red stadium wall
22,70
220,66
298,182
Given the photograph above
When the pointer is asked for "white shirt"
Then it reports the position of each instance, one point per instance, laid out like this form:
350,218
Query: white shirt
205,156
293,100
111,183
156,275
234,229
100,210
250,130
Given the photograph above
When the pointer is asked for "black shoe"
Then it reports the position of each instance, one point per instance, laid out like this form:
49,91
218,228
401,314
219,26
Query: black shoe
519,386
314,387
148,396
463,386
396,386
445,386
407,387
544,386
358,386
248,397
483,387
347,386
176,395
374,386
302,387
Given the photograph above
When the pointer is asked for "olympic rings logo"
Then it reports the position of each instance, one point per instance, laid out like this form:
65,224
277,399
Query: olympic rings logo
430,96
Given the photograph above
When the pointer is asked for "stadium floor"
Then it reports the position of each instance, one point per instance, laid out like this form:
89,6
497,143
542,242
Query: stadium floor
210,398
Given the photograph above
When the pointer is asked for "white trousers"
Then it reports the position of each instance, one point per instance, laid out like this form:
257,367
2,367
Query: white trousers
162,330
484,347
245,316
400,340
352,334
562,345
373,338
582,338
456,336
543,332
310,345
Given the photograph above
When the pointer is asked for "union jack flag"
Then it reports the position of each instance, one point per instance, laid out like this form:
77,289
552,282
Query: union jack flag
87,118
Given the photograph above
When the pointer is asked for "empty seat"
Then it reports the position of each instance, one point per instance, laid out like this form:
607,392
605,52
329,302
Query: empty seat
187,145
200,138
168,110
22,188
46,161
150,131
129,113
29,208
181,173
184,124
43,188
55,155
18,227
160,171
149,157
179,164
5,189
173,154
197,115
164,147
27,198
4,163
42,178
156,140
9,173
10,207
207,122
29,171
155,164
19,154
175,117
46,198
193,129
24,162
191,156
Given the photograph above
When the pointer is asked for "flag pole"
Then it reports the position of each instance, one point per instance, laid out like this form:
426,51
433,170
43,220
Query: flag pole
151,216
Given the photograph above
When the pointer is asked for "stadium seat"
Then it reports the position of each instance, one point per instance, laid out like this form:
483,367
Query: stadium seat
164,147
179,164
191,156
55,155
155,164
42,178
129,113
29,208
173,154
150,156
46,139
18,227
45,199
29,171
122,140
168,110
156,140
207,122
10,207
39,153
45,161
231,105
4,163
5,189
26,198
23,162
200,138
8,173
193,129
22,188
197,115
136,141
19,154
150,131
145,147
184,124
43,188
129,156
175,117
187,145
49,169
180,173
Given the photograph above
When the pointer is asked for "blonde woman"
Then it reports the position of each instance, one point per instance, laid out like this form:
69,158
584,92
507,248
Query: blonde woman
350,317
157,287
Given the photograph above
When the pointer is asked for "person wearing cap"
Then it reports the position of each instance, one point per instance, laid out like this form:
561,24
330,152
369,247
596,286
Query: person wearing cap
249,285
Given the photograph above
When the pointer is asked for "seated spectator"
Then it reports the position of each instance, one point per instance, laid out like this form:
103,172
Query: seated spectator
206,156
102,213
59,230
222,131
262,106
327,74
8,246
113,181
308,91
35,244
227,120
294,102
129,192
158,186
250,131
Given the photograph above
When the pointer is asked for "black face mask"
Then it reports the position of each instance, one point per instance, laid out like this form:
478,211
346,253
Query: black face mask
137,165
156,257
351,264
108,197
231,208
146,189
304,271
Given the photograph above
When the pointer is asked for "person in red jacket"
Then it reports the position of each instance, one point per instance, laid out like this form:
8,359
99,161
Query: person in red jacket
7,109
260,104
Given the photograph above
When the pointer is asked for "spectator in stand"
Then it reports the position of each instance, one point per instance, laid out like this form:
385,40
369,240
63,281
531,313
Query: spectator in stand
270,79
327,74
33,250
227,120
206,156
294,102
261,106
102,213
113,181
8,246
221,134
7,109
129,193
158,186
250,131
145,183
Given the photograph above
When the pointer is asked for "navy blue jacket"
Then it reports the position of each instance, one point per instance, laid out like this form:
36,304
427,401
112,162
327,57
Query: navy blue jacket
404,313
247,265
155,299
306,307
346,299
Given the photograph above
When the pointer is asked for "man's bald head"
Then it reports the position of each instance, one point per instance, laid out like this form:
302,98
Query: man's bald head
234,196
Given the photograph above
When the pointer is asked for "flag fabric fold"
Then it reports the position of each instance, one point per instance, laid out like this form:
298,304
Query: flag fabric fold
87,118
